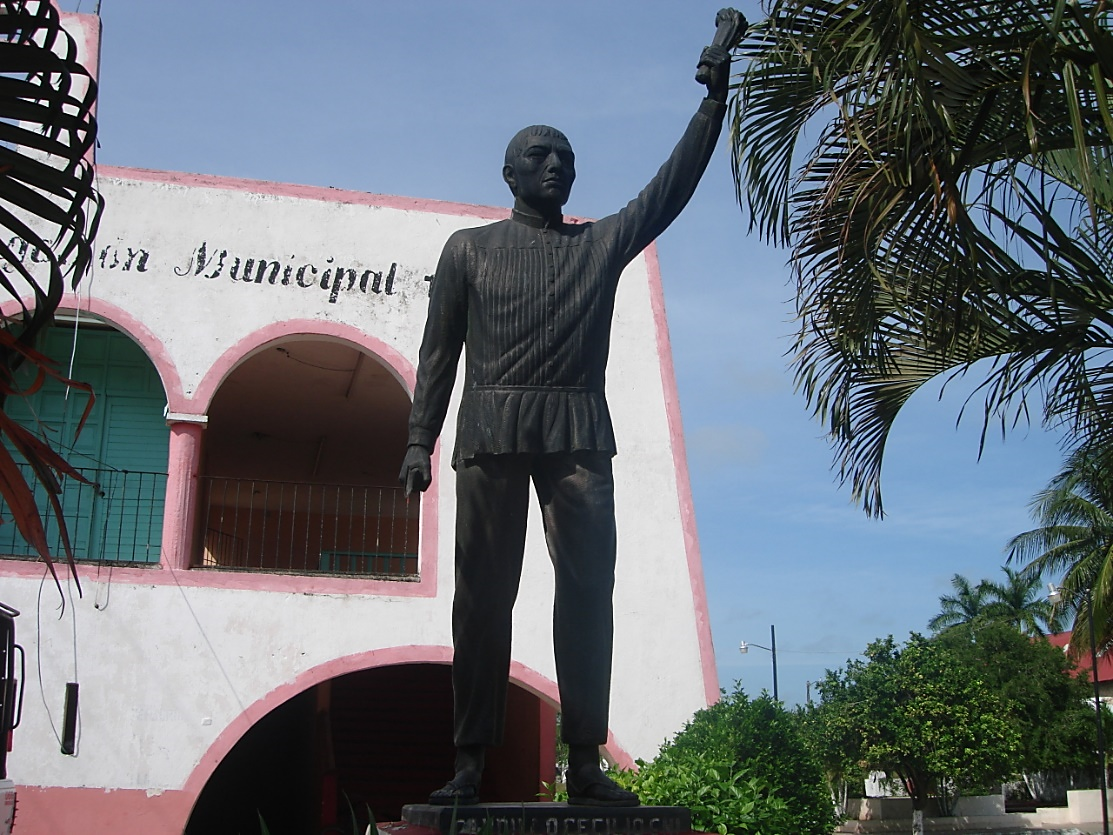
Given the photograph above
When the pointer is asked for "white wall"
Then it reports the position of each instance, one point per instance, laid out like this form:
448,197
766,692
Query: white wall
167,664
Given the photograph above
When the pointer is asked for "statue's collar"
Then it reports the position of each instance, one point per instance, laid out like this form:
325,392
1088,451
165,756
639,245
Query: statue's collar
536,221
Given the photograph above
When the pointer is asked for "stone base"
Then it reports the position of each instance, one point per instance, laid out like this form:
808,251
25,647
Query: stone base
548,819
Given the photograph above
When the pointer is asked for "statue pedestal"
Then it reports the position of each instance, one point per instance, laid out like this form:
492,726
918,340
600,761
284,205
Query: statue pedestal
547,819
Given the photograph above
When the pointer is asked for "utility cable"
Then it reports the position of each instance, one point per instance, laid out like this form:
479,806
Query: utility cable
39,660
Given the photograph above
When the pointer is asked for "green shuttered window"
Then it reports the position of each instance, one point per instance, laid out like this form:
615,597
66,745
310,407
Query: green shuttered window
123,447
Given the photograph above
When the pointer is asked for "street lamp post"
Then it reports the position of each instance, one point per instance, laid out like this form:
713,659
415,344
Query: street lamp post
772,648
1055,595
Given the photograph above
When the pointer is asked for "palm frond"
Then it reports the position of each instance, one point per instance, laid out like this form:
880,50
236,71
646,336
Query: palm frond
49,206
942,172
1074,543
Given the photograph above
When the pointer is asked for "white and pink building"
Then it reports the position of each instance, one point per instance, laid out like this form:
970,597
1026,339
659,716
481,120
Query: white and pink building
265,619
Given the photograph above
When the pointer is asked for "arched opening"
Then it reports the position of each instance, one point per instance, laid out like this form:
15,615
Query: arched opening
300,463
122,446
364,744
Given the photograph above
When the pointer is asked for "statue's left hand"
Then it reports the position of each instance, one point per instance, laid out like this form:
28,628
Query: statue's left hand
416,471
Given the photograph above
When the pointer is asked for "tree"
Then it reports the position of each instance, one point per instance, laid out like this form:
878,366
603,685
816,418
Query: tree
943,173
1074,540
761,740
48,204
1048,701
966,605
1021,603
918,713
1018,601
834,746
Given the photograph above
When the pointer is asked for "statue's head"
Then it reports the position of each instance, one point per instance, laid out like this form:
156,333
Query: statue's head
540,168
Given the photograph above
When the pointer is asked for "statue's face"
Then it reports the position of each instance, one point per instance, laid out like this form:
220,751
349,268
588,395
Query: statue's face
541,176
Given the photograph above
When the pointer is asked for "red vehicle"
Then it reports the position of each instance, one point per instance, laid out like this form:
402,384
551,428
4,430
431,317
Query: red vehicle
11,708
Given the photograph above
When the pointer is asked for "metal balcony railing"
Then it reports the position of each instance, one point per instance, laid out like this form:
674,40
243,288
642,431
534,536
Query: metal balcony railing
279,526
119,522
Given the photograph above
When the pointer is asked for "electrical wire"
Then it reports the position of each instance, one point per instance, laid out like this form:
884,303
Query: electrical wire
73,345
107,585
205,637
73,620
288,355
39,660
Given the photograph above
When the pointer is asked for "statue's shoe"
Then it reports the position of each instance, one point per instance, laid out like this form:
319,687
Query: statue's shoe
591,787
463,790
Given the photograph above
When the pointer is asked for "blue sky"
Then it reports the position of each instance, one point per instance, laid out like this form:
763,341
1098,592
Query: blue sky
419,99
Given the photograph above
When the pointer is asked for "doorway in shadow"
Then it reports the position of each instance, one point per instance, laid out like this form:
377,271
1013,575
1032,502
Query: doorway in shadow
360,746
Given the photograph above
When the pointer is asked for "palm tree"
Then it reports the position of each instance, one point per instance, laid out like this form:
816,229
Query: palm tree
943,173
1074,541
966,606
48,206
1020,602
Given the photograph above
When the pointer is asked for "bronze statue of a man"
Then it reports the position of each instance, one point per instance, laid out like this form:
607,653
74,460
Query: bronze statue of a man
531,300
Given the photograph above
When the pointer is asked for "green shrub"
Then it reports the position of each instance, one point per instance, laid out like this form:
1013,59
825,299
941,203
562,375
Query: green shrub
767,742
722,797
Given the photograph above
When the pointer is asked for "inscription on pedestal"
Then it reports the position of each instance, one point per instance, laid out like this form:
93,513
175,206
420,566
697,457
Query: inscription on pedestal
549,819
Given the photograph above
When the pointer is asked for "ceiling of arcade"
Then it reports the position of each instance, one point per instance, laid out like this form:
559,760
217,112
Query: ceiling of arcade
309,410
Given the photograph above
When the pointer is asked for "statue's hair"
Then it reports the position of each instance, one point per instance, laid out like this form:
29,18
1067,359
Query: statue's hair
518,143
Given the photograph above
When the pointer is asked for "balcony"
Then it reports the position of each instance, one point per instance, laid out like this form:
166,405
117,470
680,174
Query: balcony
297,527
119,522
248,524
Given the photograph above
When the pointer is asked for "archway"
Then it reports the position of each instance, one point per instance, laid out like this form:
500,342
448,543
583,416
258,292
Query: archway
300,464
366,741
122,446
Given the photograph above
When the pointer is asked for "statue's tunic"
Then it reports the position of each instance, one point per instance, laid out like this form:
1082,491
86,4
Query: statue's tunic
533,304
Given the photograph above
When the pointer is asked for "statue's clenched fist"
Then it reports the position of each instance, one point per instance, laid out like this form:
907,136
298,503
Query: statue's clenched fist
713,70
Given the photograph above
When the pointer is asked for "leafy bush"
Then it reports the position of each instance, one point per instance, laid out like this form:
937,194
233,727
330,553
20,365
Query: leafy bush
765,741
722,796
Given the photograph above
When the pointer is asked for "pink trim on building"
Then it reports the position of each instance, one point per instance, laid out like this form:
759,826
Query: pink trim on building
62,810
177,524
614,753
393,360
88,49
546,689
331,669
96,811
403,371
126,323
180,505
526,677
162,575
683,481
328,195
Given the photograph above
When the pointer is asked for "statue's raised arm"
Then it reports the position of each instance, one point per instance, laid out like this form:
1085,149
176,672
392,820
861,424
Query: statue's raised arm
649,214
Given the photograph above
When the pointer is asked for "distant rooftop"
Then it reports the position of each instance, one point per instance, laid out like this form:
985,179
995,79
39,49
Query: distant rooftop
1105,662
